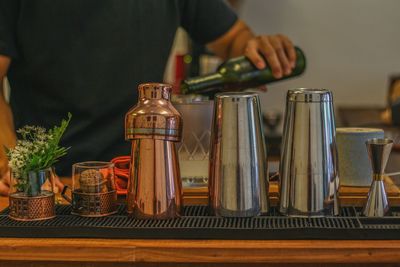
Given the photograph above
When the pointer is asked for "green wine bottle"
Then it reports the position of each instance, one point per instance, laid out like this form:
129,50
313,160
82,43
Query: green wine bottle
238,74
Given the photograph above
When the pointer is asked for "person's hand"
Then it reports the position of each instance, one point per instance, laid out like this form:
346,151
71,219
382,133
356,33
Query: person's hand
59,186
278,50
4,173
5,184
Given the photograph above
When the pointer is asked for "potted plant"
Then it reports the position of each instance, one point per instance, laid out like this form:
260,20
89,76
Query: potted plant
32,171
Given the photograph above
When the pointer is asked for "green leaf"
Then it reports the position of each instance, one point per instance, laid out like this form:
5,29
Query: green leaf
46,146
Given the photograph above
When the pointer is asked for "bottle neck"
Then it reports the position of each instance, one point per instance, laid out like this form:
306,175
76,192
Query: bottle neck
202,84
238,74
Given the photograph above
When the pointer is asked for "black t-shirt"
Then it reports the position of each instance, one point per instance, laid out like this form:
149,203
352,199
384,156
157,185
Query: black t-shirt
87,57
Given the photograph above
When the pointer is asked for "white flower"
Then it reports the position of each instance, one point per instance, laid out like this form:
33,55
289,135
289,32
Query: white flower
34,140
37,149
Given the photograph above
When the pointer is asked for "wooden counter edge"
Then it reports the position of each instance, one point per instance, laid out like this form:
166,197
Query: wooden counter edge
200,251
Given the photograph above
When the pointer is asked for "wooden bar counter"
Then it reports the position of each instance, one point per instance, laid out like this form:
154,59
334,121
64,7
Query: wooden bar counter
136,252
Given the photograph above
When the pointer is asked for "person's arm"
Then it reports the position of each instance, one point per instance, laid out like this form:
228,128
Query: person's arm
7,132
278,50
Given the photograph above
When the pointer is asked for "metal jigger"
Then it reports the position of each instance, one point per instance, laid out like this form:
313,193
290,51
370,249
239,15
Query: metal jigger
377,203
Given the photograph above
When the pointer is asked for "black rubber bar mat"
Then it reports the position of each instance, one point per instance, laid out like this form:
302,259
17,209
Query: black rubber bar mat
197,223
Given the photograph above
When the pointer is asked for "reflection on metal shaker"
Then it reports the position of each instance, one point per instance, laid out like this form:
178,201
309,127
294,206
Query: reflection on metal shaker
308,168
154,125
238,184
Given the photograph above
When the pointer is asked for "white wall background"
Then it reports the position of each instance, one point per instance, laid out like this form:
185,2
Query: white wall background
352,46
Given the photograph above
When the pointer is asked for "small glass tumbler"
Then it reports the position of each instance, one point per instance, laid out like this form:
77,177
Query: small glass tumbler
93,189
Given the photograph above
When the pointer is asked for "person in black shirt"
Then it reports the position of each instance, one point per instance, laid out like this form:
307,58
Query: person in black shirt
88,57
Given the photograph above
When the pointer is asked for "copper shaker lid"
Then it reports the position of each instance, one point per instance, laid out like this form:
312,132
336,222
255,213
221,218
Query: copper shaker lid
153,117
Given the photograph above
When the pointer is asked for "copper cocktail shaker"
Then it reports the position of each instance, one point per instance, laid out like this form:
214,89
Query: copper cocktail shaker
154,126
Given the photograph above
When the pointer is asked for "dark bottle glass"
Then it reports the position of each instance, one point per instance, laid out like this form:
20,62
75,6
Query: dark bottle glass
238,74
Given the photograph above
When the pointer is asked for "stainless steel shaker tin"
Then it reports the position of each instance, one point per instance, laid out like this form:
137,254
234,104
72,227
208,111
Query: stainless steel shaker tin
238,184
308,167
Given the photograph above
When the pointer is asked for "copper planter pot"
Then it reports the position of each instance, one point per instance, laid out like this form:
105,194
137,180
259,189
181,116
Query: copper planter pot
28,208
34,200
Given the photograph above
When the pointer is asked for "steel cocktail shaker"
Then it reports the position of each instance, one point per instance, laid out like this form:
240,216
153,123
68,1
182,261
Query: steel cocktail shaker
308,167
238,184
154,126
